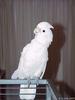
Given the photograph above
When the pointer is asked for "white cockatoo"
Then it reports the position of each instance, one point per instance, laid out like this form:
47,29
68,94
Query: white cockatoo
34,59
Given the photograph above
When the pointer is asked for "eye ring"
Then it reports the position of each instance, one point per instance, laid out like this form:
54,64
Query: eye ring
43,30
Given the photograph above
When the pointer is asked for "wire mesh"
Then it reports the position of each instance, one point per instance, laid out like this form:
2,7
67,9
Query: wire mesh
9,90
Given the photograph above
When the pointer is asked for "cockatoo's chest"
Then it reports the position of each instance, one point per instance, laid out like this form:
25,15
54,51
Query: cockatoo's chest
36,54
33,59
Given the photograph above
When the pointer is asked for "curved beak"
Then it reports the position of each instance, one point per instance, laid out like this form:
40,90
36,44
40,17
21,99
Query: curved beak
37,30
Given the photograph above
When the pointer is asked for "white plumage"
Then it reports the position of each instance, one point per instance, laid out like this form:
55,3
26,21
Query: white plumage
34,58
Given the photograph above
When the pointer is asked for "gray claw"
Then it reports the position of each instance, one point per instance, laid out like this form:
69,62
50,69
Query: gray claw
36,80
29,82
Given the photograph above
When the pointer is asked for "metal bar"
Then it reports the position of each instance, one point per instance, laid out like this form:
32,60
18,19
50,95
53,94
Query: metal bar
14,94
13,88
3,81
53,90
48,93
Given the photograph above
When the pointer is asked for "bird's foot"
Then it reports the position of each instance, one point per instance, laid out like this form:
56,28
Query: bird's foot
29,82
36,80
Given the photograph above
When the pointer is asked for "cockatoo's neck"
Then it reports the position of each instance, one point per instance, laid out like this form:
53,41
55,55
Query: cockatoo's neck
45,42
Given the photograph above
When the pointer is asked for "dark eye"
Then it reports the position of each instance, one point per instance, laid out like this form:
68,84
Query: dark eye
43,30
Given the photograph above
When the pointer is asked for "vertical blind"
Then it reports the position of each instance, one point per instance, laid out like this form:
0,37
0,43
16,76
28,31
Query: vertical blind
18,19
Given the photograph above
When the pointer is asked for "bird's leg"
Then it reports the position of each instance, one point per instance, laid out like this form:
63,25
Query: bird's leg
29,81
17,78
36,80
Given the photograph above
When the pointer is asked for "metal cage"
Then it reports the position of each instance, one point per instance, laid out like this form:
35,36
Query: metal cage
9,89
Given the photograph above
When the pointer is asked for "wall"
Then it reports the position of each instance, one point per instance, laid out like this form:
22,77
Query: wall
7,51
73,48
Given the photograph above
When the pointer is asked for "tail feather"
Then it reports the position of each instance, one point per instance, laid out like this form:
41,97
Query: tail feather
27,92
14,75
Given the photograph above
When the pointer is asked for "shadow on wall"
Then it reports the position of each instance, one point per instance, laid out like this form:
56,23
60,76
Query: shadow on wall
65,90
54,52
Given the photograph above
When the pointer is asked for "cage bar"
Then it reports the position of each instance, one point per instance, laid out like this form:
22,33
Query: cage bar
45,89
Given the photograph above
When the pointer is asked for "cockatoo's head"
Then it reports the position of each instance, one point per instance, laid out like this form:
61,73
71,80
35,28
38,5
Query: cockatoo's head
43,32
